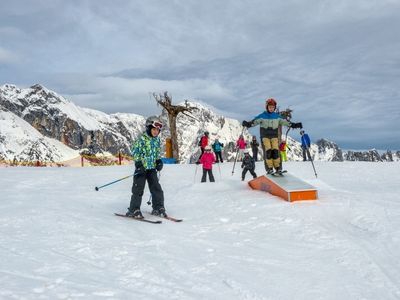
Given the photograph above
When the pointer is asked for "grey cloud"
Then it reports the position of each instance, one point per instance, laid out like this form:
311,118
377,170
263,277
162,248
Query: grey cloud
7,57
327,60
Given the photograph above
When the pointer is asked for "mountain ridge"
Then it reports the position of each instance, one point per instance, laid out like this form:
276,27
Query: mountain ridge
74,129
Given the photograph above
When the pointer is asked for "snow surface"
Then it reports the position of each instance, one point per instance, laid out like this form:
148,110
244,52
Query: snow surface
60,240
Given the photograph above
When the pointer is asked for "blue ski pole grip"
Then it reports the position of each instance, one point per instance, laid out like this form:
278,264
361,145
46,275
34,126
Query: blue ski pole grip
107,184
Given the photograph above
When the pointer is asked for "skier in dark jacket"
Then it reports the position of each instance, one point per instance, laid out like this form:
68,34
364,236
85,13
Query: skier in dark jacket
248,164
254,147
217,147
146,152
305,145
269,122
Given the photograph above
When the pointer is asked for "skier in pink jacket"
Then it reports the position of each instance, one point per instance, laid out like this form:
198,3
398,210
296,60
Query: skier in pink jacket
207,160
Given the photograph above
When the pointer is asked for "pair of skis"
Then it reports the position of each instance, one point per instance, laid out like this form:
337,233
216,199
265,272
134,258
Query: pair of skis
150,221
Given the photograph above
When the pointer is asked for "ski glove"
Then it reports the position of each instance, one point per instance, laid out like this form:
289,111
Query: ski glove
140,170
247,124
296,125
159,164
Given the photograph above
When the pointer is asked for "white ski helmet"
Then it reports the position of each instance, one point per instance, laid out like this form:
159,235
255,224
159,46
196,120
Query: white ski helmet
154,121
208,148
246,151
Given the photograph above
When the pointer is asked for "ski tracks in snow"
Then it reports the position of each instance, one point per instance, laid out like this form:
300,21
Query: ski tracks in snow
363,238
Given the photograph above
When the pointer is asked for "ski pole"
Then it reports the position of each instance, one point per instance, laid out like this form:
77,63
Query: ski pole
219,169
195,173
237,152
309,154
234,163
149,202
107,184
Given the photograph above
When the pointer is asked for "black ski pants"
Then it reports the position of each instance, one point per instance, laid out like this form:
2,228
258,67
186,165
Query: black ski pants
139,182
251,172
210,175
255,155
218,155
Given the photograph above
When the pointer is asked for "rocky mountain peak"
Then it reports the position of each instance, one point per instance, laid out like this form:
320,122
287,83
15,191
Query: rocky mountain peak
54,119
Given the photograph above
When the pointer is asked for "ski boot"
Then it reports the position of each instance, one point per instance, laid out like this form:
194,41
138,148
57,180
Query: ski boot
159,212
270,171
278,172
137,214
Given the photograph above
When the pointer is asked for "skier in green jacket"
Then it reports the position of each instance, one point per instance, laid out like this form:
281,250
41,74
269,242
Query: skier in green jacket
146,152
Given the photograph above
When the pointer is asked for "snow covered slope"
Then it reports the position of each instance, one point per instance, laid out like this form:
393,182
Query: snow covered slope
60,240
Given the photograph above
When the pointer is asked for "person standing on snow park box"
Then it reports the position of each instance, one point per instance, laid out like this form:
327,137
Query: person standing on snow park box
207,160
269,122
305,145
146,152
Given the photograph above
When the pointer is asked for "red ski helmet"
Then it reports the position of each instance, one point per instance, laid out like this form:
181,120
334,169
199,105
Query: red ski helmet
270,101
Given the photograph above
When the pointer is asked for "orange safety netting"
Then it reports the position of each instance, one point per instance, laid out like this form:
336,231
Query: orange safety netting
79,161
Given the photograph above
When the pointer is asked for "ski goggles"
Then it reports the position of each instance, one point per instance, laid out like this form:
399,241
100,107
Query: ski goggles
157,125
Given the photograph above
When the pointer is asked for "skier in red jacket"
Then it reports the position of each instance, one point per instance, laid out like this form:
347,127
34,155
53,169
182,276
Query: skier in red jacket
203,143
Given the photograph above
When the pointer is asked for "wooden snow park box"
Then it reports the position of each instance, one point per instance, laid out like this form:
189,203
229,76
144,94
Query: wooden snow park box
287,187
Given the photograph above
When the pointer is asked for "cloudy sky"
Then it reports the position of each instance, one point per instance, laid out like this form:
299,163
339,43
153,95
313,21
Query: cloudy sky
335,63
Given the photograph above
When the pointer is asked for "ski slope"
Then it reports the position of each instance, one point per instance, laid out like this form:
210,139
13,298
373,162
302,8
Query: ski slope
59,238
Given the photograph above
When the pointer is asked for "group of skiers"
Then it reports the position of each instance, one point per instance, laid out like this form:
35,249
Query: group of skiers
217,146
146,152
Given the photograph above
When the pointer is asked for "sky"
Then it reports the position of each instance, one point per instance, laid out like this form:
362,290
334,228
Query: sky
335,63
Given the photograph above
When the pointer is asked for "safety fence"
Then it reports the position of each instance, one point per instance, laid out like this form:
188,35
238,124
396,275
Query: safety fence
83,160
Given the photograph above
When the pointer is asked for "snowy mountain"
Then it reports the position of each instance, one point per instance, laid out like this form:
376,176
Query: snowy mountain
56,117
201,119
69,128
322,150
22,142
372,155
